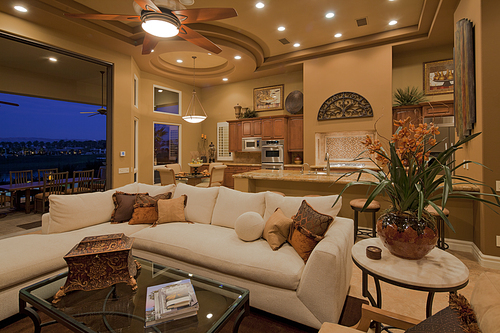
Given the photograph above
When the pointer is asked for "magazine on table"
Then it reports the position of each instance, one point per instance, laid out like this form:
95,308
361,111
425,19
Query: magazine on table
170,301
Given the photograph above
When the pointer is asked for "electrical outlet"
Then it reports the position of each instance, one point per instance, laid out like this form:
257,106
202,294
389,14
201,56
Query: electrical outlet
123,170
498,241
498,185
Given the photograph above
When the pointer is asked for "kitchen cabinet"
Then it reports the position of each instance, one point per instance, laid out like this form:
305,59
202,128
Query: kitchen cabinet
438,109
235,135
251,128
403,112
233,170
295,134
274,128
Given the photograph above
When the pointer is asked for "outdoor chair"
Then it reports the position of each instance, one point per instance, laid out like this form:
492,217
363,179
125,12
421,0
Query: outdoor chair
43,172
55,183
167,176
20,178
100,184
216,176
83,182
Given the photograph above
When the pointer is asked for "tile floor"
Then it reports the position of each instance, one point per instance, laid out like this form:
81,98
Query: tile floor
407,302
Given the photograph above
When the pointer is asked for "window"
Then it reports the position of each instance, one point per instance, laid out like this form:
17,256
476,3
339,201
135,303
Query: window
223,153
136,91
166,146
167,100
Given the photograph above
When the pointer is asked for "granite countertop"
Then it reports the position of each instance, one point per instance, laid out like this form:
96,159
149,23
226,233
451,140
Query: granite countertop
311,177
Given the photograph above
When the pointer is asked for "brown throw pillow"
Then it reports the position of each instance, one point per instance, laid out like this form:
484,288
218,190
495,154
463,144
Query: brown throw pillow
171,210
146,199
144,214
277,229
124,206
309,227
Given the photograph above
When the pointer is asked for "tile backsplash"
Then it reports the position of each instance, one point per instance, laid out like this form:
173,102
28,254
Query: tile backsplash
342,146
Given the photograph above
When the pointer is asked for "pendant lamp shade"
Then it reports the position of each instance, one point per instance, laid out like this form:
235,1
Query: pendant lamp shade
190,115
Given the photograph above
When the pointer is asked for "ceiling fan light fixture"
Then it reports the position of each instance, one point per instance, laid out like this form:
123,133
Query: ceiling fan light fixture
160,25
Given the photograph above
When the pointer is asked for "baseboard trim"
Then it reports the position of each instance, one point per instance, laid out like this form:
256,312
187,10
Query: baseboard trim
484,260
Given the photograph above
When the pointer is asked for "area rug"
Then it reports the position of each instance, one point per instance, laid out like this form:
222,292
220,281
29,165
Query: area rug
30,225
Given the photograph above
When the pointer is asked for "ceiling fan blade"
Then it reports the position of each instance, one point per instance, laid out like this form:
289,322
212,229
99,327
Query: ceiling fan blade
148,5
109,17
197,39
9,103
204,14
149,43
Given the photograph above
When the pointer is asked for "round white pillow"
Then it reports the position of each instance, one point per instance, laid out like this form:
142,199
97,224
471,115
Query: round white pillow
249,226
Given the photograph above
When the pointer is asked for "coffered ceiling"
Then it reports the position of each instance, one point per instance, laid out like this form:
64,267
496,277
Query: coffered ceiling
253,34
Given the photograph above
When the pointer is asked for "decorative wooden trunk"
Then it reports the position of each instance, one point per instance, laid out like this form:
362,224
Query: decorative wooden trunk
98,262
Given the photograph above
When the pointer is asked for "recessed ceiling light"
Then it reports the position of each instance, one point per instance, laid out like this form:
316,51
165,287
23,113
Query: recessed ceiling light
338,35
281,28
296,45
209,315
152,50
53,59
329,15
179,61
259,5
225,79
209,53
160,90
20,9
237,57
393,22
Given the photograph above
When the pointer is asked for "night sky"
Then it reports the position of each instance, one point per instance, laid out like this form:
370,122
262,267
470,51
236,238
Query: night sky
49,119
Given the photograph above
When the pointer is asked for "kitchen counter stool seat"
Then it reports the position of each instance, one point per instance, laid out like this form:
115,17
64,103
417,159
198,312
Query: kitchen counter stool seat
357,205
440,225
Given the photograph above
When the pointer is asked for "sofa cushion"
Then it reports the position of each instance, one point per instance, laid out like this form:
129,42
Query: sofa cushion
249,226
290,205
171,210
155,189
200,205
124,206
485,301
220,249
71,212
231,204
277,229
26,257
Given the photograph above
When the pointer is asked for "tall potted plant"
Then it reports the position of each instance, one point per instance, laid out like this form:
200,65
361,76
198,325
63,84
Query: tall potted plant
412,182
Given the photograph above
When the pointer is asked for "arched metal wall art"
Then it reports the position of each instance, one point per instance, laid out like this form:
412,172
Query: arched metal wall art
345,105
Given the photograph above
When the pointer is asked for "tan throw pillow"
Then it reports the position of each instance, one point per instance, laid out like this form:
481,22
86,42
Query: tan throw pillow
144,214
277,229
309,228
124,206
171,210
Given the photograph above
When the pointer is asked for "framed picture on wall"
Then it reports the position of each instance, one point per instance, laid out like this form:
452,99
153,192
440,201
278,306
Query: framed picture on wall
268,98
439,77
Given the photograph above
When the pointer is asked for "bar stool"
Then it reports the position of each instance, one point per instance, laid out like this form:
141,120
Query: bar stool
440,225
373,207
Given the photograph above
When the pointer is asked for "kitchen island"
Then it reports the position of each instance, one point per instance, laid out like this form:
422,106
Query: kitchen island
295,183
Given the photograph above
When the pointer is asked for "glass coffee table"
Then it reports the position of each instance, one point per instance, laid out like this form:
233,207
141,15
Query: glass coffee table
119,309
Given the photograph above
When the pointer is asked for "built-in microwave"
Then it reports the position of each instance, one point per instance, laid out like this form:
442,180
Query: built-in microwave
250,144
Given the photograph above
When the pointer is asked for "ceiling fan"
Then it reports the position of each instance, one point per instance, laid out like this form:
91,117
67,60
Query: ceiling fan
102,110
9,103
160,21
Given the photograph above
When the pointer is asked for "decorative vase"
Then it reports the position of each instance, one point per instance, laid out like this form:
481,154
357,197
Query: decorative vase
405,236
237,111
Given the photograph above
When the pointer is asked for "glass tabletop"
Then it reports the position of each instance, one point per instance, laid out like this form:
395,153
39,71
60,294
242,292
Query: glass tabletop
119,309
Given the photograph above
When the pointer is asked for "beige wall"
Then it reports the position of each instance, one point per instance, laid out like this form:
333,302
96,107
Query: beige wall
408,68
367,72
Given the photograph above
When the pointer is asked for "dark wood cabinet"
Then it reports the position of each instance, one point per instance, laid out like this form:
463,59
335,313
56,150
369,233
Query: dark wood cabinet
251,128
235,135
267,129
233,170
257,127
438,109
403,112
295,134
274,128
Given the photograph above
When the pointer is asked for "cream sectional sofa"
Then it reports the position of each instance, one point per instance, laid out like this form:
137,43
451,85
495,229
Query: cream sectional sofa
279,281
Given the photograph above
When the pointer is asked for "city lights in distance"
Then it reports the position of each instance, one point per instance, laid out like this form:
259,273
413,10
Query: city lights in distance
53,59
329,15
259,5
281,28
20,9
237,57
296,45
393,22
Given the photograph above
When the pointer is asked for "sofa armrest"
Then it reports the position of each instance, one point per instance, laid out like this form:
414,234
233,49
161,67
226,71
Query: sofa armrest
327,274
45,223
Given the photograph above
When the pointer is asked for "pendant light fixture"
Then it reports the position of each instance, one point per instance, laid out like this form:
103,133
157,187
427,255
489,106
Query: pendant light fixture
191,116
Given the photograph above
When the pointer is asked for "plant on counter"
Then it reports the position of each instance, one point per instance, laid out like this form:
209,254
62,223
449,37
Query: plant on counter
408,96
414,181
249,114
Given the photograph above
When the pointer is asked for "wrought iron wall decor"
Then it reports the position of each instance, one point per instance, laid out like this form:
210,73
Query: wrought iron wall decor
465,89
345,105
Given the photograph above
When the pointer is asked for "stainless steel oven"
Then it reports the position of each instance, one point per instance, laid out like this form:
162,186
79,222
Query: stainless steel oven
273,152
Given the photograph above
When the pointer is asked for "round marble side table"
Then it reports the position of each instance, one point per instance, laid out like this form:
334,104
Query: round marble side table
438,271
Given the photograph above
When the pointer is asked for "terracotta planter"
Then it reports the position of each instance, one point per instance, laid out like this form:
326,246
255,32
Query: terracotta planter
406,237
